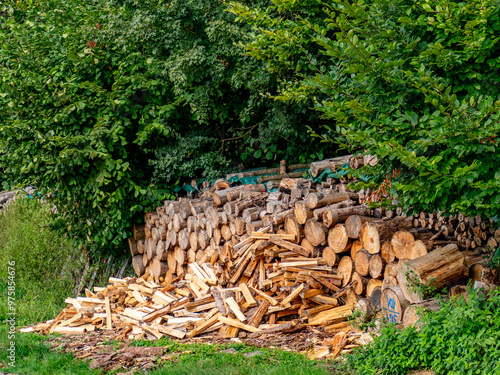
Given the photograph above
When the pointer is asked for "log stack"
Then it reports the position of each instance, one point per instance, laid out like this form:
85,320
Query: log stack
242,259
470,233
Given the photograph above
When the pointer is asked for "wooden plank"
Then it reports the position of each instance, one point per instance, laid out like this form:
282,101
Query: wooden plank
236,309
266,236
202,326
247,295
72,330
237,324
138,296
169,331
292,295
108,314
341,312
264,295
157,313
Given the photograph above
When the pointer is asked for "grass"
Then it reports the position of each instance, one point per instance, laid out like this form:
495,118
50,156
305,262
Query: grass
45,267
207,359
34,357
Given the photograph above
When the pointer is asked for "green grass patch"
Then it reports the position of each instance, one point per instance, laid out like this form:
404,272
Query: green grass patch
207,359
33,356
463,337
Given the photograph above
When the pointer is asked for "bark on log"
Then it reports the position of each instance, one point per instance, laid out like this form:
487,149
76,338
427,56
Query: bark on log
437,268
317,200
319,166
414,312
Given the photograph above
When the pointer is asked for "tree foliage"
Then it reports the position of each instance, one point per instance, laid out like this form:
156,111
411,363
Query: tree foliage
413,82
107,105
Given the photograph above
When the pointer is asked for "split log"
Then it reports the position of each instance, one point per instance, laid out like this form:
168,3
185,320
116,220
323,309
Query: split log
437,269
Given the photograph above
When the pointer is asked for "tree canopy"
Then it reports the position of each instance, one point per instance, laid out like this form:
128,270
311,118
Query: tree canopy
413,82
109,105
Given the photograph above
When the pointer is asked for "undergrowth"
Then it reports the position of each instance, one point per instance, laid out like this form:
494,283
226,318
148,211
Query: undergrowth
463,337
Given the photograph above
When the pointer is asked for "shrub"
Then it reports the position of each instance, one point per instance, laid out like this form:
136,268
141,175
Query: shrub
463,337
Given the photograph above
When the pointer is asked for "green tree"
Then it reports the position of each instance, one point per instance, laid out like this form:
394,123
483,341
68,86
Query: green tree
103,103
413,82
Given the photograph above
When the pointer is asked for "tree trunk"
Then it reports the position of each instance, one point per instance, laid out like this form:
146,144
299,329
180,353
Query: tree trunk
394,304
437,269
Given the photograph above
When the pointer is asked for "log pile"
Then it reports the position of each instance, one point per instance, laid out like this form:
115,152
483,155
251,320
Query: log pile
240,261
470,233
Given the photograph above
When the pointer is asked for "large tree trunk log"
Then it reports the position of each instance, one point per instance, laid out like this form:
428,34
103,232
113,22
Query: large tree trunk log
394,304
437,268
414,312
315,232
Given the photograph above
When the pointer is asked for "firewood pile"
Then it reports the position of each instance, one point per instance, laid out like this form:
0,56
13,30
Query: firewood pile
242,262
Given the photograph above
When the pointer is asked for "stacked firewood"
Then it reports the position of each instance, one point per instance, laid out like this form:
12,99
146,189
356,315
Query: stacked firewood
471,233
239,258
